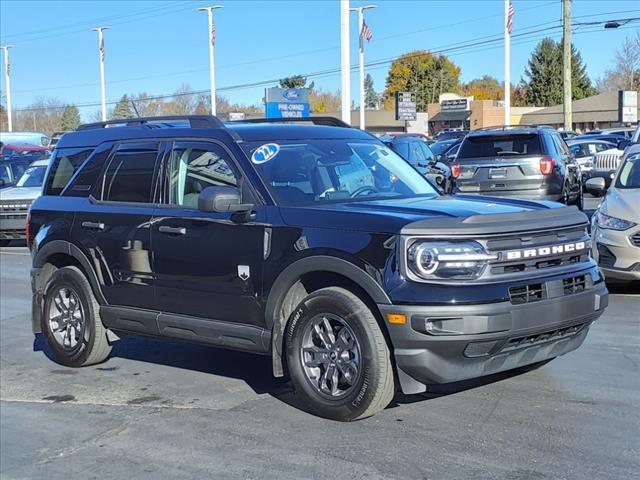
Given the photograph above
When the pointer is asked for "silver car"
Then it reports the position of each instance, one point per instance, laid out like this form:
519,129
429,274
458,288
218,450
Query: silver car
15,201
616,223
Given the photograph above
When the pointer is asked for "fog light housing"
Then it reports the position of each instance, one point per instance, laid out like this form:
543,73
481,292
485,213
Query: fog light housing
479,349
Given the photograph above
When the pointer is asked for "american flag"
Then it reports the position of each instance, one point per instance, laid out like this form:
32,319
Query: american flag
101,49
213,32
365,33
510,14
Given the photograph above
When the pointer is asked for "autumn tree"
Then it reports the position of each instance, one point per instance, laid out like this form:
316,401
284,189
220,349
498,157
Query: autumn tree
485,88
543,83
295,81
322,101
424,73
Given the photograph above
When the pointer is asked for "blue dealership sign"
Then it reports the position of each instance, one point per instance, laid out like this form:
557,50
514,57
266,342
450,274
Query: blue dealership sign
286,102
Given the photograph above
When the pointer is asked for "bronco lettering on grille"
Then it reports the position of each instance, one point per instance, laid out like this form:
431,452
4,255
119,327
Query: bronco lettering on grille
545,251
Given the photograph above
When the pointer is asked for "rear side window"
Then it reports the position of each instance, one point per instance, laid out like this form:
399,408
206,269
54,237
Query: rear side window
500,146
129,176
65,163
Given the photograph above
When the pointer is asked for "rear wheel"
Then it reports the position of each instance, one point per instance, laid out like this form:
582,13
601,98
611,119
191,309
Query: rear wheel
338,357
71,320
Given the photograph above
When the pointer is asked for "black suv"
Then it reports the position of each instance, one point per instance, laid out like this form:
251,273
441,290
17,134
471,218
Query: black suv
290,240
525,162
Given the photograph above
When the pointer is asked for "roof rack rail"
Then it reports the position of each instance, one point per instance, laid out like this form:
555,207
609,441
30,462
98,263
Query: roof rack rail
510,127
327,121
195,121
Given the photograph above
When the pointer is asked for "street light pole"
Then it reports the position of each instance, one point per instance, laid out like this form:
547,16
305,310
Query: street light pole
103,88
7,69
345,63
566,66
360,11
212,41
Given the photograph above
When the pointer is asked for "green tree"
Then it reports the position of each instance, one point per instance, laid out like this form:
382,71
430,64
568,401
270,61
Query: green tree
123,108
424,73
370,95
543,85
295,81
70,118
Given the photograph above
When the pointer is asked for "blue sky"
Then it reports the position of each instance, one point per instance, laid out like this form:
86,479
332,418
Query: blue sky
155,46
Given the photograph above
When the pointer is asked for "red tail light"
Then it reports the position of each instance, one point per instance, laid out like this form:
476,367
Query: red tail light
546,165
455,170
27,232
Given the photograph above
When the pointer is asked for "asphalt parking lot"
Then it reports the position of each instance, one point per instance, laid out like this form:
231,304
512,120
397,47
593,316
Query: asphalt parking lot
160,409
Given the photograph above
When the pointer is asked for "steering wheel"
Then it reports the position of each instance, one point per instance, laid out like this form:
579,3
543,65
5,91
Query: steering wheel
366,188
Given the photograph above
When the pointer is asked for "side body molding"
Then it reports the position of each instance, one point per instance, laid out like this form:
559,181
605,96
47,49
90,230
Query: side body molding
274,317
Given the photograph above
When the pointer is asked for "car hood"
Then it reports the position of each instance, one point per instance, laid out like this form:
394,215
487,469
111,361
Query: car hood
391,215
20,193
622,203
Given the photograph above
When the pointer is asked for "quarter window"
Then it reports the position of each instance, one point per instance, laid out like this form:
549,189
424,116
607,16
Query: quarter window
129,176
65,163
195,166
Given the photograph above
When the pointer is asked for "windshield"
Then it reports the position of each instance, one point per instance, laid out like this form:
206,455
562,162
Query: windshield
307,172
32,177
500,145
629,176
440,147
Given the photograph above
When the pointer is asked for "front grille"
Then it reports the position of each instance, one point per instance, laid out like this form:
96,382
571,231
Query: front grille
574,284
540,338
635,239
527,293
533,265
606,258
13,207
606,161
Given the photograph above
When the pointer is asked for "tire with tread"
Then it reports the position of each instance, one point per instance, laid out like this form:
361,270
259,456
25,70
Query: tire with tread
95,347
375,386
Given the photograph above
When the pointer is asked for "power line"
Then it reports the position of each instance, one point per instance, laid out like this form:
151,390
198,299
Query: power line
325,73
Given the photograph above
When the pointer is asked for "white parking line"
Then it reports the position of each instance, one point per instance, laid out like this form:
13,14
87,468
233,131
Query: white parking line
6,252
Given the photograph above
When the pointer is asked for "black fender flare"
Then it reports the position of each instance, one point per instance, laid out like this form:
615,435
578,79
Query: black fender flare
288,278
68,248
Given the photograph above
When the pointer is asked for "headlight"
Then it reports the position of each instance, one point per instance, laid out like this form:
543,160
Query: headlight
613,223
447,260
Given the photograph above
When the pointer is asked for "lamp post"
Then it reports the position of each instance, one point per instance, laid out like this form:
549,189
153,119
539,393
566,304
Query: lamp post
7,69
212,41
100,31
361,36
345,67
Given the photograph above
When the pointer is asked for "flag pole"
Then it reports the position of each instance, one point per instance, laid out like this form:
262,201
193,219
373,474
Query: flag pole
7,68
345,67
100,31
507,63
212,41
361,38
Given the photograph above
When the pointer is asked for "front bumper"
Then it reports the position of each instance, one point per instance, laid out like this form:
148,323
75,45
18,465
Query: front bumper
12,226
497,336
615,252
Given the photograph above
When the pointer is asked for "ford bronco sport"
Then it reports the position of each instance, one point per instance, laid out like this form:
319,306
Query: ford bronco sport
314,244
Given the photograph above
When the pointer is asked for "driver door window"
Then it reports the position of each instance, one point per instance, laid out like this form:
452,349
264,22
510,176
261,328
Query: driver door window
195,166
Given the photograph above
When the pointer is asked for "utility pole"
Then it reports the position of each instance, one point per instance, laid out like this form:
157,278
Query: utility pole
345,63
508,24
362,38
100,31
212,42
566,65
7,70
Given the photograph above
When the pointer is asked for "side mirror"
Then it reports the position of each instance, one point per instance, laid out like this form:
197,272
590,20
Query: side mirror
622,144
596,186
221,199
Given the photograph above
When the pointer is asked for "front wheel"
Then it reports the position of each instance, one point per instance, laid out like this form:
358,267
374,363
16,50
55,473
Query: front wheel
338,357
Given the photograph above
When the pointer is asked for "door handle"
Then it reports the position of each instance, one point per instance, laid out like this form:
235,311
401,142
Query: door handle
93,225
173,230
